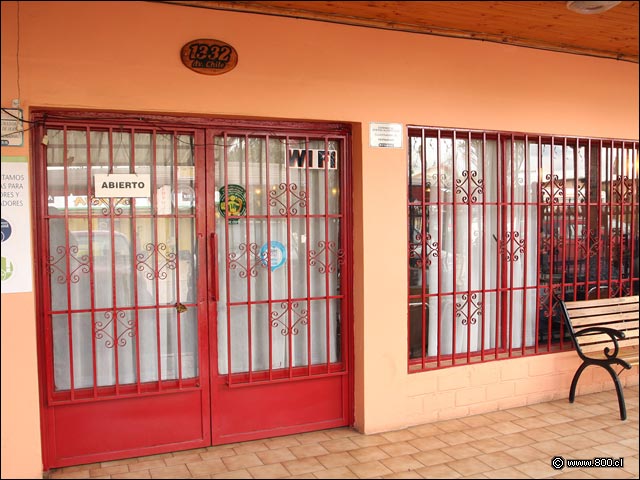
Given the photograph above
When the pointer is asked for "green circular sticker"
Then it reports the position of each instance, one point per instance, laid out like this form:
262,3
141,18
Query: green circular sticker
233,201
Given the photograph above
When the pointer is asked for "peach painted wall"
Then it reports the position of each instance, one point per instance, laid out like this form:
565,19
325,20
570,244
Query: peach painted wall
125,56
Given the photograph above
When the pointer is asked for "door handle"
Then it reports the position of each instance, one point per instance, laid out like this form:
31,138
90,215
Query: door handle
213,240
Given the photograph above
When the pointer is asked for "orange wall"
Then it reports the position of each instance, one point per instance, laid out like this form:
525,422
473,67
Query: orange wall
125,56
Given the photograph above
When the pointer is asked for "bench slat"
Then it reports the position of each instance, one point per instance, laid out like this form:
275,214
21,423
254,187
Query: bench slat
604,301
626,326
629,353
605,320
576,312
598,342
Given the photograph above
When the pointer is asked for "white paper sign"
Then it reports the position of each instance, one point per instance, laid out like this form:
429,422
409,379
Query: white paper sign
12,135
122,185
16,226
385,135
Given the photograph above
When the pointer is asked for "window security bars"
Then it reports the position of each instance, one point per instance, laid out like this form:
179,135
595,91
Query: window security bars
501,226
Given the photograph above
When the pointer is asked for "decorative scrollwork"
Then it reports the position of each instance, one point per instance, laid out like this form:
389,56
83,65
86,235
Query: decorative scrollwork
556,186
58,266
250,251
300,318
128,329
621,190
107,206
328,247
157,250
512,246
474,187
474,313
294,199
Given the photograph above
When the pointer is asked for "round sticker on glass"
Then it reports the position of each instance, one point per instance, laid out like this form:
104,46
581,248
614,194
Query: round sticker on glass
277,253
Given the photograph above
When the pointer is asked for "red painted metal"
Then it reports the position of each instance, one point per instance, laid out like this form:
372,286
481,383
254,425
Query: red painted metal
578,254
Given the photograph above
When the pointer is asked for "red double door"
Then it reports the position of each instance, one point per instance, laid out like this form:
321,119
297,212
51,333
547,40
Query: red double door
194,283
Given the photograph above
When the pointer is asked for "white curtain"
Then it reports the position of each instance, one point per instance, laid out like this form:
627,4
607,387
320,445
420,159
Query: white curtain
107,278
283,314
463,316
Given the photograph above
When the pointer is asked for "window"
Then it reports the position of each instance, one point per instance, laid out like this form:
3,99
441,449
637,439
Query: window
502,225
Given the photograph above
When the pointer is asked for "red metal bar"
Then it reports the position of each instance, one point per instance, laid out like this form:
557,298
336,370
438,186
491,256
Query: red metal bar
269,279
176,221
440,240
68,263
512,245
453,248
483,315
634,216
288,219
326,256
601,237
306,261
248,241
114,296
154,221
226,256
135,276
469,253
526,199
423,245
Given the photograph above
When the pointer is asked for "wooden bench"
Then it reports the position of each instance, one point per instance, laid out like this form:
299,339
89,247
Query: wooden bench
605,333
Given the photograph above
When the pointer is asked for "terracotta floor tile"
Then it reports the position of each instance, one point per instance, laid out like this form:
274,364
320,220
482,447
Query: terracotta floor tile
438,471
461,451
541,434
524,412
410,474
147,465
432,457
234,474
239,462
71,474
402,463
275,470
300,467
207,468
476,421
506,428
250,447
577,441
312,437
552,447
537,469
516,440
368,454
616,450
498,460
369,469
181,458
339,445
531,422
175,471
469,466
573,474
276,456
526,453
337,472
309,450
455,438
454,425
97,472
344,432
282,442
508,472
136,474
399,436
369,440
426,430
428,443
334,460
480,433
398,449
488,445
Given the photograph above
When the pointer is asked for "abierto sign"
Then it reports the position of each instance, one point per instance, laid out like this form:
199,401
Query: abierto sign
122,185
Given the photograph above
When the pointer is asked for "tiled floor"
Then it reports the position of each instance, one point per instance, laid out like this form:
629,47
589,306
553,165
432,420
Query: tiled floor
516,443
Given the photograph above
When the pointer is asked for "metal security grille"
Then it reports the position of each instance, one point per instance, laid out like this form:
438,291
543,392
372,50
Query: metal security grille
281,243
502,225
120,278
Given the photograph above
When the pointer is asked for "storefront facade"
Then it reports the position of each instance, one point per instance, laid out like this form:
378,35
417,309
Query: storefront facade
251,272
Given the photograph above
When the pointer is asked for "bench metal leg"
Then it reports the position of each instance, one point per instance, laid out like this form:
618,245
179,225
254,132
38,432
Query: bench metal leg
616,382
574,382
